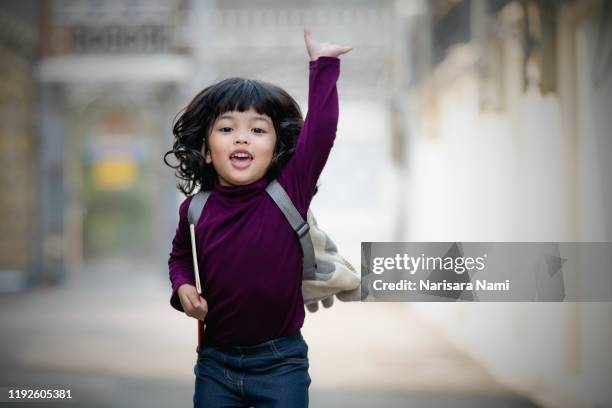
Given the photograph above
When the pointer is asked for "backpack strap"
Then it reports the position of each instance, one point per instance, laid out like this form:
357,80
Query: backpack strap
301,227
196,206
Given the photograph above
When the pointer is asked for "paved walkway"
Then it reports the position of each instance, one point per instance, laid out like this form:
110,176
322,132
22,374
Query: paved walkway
110,334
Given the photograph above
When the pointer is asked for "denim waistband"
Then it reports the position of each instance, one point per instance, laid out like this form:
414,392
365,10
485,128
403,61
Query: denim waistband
270,345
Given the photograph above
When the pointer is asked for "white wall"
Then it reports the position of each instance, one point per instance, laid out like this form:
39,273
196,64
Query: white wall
518,175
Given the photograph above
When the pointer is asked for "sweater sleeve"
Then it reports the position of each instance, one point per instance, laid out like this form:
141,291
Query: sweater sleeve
180,262
316,138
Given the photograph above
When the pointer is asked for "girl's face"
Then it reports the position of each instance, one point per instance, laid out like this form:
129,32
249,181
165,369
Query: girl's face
241,147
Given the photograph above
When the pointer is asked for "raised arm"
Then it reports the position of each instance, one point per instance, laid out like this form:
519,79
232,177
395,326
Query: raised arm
319,130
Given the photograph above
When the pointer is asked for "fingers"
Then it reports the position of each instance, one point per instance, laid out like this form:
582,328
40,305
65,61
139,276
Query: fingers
183,296
188,305
309,42
194,305
347,49
203,307
200,306
194,298
344,49
317,49
307,38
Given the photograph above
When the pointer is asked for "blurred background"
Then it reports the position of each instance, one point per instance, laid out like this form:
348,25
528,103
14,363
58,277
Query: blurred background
460,120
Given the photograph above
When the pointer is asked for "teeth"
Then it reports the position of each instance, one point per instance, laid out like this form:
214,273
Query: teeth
242,155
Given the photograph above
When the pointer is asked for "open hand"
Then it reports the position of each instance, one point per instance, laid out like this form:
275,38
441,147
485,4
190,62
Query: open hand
193,304
318,49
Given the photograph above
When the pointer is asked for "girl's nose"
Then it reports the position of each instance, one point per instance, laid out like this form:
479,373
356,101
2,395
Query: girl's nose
241,138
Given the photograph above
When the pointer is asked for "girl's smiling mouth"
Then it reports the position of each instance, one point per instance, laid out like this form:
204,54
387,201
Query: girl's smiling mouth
241,159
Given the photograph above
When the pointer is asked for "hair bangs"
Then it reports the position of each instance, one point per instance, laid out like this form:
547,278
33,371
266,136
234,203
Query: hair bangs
238,94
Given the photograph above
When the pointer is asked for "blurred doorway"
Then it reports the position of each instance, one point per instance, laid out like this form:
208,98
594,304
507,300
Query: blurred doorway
116,170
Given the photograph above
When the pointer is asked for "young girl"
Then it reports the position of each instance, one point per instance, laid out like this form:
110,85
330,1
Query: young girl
233,138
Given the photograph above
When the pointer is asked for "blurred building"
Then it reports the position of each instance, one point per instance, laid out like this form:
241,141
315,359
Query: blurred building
106,80
97,84
506,121
507,138
18,52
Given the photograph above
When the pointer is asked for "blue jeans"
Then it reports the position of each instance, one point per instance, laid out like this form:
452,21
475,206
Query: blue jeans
265,375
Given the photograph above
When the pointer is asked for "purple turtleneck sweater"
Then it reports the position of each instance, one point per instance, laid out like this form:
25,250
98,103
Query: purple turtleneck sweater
250,260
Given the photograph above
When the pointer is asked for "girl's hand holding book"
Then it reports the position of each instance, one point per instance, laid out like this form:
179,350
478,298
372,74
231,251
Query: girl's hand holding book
318,49
193,304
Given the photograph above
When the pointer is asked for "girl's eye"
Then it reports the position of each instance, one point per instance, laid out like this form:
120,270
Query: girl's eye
259,130
226,129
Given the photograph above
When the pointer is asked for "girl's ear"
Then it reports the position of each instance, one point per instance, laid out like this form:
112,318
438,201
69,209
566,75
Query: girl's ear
207,157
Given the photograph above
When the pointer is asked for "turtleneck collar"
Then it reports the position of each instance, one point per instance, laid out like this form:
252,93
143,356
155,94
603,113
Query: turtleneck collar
240,193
